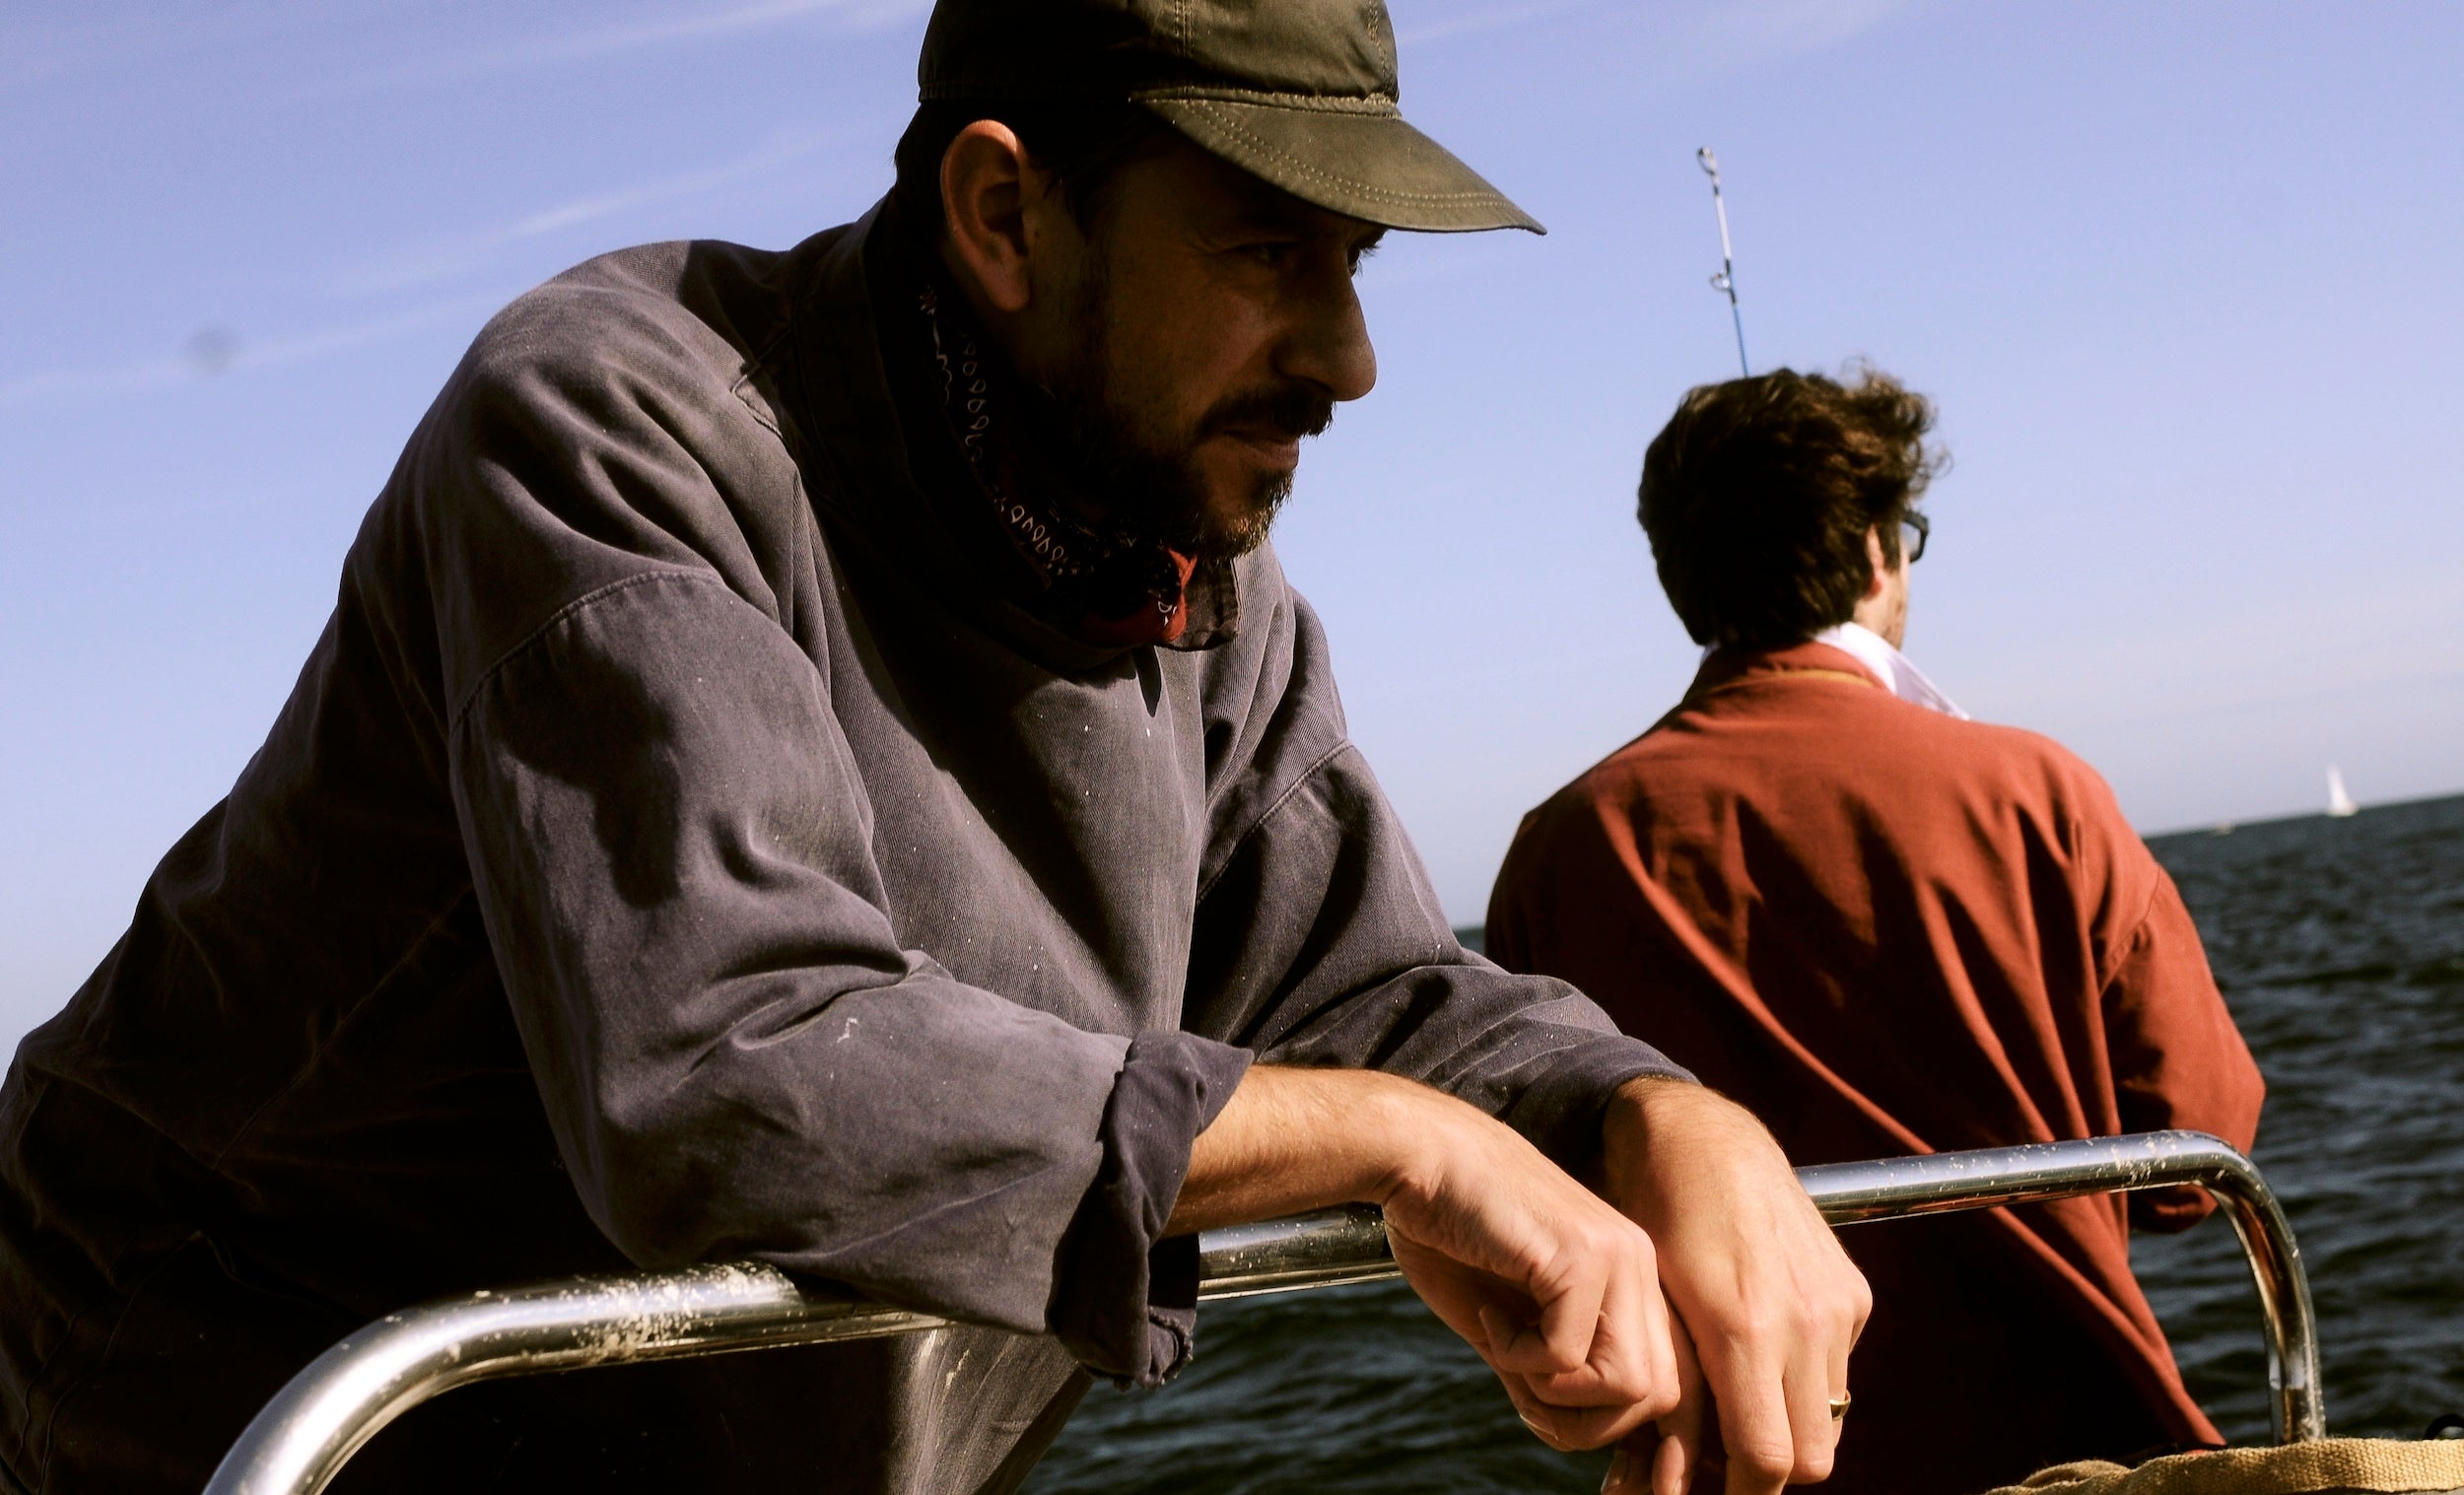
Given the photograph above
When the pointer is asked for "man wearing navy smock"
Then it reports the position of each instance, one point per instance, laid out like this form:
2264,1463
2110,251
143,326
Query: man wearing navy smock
813,761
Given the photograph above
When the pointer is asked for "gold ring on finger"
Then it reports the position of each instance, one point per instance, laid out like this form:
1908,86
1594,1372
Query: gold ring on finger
1839,1405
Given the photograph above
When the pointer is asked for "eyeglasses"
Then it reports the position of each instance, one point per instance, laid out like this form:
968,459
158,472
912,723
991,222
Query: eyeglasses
1913,529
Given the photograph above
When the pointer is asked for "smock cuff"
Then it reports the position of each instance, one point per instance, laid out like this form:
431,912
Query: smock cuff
1125,1300
1561,1110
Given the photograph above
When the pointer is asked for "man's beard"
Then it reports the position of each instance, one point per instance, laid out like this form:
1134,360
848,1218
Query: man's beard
1150,482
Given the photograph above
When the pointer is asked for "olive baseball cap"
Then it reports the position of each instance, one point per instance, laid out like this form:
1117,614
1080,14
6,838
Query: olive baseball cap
1298,92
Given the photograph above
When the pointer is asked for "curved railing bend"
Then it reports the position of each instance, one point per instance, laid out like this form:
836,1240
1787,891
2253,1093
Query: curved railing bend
1891,1189
333,1407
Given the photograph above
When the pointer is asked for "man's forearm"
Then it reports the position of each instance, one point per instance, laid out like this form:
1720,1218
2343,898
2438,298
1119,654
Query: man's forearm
1293,1139
1651,1111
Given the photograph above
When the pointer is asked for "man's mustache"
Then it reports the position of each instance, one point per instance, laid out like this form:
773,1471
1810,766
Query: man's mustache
1294,410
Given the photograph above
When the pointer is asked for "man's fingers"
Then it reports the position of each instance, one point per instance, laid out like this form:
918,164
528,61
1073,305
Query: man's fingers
1519,1345
1632,1362
1578,1331
1751,1396
1816,1432
1625,1473
1818,1427
1771,1376
1572,1429
1672,1354
1630,1378
1514,1343
1818,1371
1570,1322
1558,1290
1680,1449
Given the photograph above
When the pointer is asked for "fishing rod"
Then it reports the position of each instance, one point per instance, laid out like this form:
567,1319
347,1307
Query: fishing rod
1725,280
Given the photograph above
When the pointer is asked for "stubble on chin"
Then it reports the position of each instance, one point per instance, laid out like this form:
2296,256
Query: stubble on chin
1153,481
1237,527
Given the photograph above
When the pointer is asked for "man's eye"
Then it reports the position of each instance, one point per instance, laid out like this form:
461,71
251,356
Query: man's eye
1272,255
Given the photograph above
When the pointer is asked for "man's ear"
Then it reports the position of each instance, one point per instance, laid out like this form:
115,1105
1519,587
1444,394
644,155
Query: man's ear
1877,565
988,189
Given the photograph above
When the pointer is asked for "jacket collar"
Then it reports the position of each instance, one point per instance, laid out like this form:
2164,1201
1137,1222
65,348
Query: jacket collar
1730,666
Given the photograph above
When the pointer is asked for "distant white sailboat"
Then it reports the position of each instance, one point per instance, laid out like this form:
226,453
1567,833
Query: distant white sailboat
2339,802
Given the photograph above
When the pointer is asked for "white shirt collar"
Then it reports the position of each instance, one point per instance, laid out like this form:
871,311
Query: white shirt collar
1896,673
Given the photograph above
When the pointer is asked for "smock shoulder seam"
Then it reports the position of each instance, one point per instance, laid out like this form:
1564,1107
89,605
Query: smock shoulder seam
1233,855
480,682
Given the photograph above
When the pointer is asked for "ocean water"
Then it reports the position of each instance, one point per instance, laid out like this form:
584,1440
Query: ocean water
2340,945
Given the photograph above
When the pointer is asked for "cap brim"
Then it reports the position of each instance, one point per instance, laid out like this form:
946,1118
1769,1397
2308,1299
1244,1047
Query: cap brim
1372,167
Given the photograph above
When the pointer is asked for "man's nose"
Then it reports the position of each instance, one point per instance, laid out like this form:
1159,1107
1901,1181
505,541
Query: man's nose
1329,344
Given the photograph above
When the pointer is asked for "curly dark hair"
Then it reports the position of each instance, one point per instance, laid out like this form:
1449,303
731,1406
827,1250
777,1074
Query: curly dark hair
1759,493
1085,145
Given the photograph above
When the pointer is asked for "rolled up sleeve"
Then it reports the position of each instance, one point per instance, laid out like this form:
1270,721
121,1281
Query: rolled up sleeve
1121,1283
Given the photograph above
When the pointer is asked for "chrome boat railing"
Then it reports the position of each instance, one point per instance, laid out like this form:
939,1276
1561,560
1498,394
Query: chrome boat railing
341,1400
1891,1189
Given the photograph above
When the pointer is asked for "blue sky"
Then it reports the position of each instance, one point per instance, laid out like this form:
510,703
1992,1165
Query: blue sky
2184,278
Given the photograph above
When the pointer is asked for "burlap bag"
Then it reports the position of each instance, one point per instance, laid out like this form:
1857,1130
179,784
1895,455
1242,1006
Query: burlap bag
2333,1466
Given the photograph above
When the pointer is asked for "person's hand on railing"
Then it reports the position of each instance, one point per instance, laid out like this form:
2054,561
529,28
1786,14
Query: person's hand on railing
353,1389
1557,1291
1760,1284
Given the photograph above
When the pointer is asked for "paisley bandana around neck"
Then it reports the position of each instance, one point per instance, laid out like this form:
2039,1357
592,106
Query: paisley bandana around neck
1105,587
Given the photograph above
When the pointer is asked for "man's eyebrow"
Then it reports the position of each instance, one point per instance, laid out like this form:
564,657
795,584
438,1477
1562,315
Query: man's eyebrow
1273,215
1265,209
1286,216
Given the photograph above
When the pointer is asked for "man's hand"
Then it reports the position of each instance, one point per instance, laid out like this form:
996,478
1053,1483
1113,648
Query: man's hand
1766,1296
1555,1289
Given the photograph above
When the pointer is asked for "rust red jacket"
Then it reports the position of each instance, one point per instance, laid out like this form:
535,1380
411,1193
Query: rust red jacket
1890,931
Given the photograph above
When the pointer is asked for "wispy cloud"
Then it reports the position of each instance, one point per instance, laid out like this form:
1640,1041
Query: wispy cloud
732,21
1493,18
1745,30
463,253
231,355
100,35
374,45
216,351
680,28
1681,41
